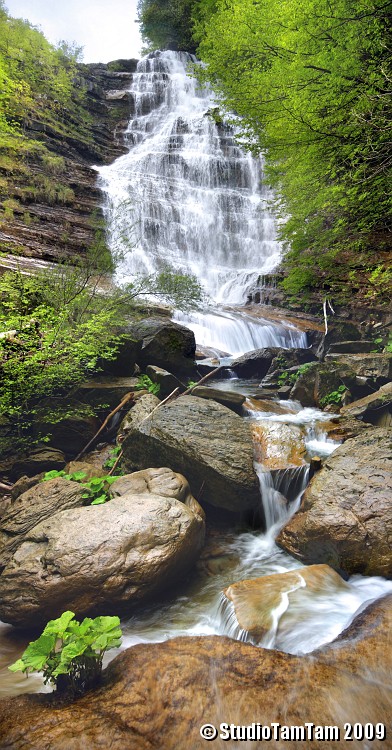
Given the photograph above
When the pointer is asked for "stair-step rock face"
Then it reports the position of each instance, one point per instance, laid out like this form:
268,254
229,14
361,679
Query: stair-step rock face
62,221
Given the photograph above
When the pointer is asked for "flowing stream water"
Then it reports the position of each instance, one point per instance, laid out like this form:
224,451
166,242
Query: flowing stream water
187,197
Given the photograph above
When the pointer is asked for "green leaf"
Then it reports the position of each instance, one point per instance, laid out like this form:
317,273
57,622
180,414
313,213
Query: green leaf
99,500
59,626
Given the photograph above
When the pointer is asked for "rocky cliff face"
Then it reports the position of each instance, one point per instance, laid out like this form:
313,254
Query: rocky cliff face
51,206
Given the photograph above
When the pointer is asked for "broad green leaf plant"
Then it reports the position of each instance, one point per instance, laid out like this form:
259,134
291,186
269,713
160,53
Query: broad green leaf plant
69,653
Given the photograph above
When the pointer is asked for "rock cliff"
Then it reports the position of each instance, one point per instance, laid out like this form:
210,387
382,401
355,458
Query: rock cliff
51,202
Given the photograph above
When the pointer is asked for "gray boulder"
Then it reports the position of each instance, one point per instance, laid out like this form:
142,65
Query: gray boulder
232,399
38,460
32,507
207,443
373,365
321,379
100,559
345,518
165,344
375,408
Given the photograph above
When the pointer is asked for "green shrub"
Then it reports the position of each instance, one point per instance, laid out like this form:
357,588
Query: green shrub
335,397
96,488
145,383
70,653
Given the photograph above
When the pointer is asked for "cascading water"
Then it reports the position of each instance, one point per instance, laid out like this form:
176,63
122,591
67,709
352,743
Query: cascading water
187,197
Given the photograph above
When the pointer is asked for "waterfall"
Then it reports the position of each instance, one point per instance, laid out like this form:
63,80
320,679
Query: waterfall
186,196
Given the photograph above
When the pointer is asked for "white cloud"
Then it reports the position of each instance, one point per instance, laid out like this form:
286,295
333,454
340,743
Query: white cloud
105,28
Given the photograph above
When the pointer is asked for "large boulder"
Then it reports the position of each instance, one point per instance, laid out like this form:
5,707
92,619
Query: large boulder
38,460
207,443
33,506
256,363
338,331
345,518
166,381
320,379
165,344
70,433
375,408
155,694
232,399
373,365
100,559
278,445
137,414
161,481
105,391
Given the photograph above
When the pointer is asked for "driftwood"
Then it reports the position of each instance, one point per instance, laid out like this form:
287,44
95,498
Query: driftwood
127,399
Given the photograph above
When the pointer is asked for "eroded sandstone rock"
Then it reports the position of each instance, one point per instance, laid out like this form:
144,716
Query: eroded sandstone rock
33,506
345,518
155,695
99,559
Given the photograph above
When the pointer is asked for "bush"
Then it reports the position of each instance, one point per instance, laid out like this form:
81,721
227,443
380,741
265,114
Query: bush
70,653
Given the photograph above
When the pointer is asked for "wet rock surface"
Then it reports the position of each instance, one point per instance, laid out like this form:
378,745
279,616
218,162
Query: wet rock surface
207,443
99,559
264,604
278,445
320,380
372,408
154,695
345,518
231,399
165,344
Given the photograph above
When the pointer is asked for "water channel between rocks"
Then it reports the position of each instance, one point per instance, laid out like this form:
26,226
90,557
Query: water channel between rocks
188,197
199,606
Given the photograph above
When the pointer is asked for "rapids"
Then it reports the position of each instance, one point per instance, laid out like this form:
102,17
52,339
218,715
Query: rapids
187,197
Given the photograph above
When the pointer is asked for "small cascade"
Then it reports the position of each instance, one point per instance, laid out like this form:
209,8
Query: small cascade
281,491
317,441
237,332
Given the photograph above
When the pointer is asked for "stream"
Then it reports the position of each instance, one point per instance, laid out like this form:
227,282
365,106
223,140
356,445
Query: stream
188,198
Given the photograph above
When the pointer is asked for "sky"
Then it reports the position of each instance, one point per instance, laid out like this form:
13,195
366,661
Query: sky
105,28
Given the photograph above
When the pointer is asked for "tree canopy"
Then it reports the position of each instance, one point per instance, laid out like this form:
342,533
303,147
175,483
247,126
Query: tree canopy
310,80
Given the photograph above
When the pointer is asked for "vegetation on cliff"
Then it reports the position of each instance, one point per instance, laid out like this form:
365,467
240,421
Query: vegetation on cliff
310,82
37,92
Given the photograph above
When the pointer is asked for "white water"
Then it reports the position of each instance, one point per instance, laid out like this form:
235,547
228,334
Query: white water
237,332
186,195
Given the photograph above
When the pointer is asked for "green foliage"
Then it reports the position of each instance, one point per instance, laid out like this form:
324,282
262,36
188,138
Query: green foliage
96,488
70,653
310,82
334,397
76,476
166,24
286,378
56,327
35,77
114,453
144,383
191,384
